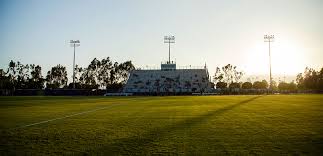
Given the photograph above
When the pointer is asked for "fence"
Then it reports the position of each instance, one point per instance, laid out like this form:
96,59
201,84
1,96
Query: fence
53,92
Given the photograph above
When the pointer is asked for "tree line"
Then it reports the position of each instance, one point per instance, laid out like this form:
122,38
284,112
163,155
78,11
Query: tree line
310,79
228,77
107,74
98,74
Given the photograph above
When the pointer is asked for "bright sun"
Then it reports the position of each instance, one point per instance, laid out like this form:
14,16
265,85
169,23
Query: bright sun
286,58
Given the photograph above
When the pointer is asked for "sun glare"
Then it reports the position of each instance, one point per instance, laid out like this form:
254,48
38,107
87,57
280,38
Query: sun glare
286,58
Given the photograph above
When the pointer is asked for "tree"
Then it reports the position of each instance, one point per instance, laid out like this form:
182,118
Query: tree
221,85
231,74
36,81
99,73
12,69
246,85
264,84
124,70
234,85
260,84
19,74
78,72
56,77
310,79
5,81
119,75
283,86
89,77
23,75
300,81
77,86
257,85
228,74
320,81
12,74
105,74
77,78
292,86
2,73
113,74
218,76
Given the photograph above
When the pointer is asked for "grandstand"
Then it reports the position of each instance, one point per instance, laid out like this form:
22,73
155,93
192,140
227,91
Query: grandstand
168,80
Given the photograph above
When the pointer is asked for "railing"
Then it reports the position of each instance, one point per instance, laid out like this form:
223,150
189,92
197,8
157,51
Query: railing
179,67
166,62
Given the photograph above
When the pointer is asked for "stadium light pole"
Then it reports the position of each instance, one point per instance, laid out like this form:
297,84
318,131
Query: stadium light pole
269,38
169,39
74,43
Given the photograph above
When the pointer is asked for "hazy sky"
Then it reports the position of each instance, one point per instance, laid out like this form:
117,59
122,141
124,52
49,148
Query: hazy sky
213,32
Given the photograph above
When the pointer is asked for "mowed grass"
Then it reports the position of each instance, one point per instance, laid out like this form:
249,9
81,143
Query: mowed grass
183,125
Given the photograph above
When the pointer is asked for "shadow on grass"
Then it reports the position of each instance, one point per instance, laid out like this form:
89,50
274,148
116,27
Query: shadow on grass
137,144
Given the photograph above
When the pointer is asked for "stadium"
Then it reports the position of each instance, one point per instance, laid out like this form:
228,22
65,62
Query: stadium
168,80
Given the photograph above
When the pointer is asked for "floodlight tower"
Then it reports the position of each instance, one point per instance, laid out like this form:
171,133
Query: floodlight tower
74,43
269,38
169,39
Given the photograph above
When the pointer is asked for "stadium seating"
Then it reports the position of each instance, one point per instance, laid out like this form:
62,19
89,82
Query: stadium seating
168,81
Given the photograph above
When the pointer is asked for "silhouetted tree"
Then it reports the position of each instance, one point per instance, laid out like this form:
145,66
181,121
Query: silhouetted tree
2,73
260,84
310,79
123,71
231,74
119,74
300,81
218,76
221,85
12,74
290,87
257,85
246,85
264,84
320,79
99,73
227,75
36,81
113,74
22,76
283,86
105,73
234,85
56,77
5,81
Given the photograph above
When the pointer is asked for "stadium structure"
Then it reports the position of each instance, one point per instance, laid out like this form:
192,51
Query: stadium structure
168,80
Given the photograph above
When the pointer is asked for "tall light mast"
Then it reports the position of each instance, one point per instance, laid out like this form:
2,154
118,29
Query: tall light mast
169,39
74,43
269,38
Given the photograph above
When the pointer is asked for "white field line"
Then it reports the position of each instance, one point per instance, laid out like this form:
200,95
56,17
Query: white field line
64,117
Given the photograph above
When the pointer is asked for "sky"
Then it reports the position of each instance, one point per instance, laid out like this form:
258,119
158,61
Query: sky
206,31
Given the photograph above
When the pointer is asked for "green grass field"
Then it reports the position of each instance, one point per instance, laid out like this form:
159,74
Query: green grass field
183,125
